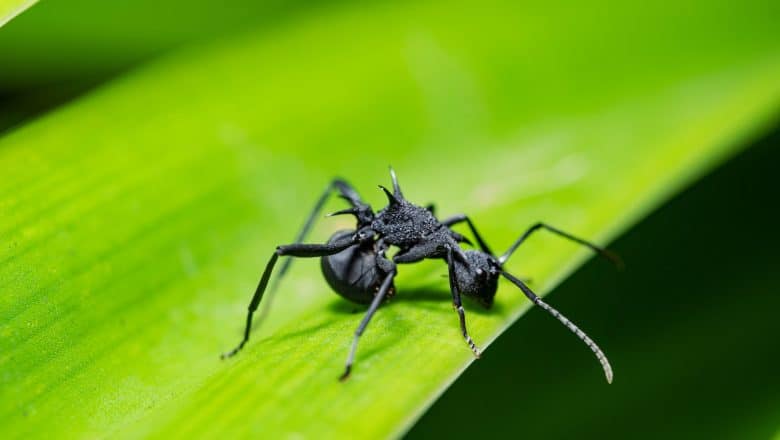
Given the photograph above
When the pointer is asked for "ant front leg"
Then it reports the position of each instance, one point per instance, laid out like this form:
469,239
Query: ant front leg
293,250
386,266
456,303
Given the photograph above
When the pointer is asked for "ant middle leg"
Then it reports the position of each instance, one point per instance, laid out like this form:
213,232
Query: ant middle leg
292,250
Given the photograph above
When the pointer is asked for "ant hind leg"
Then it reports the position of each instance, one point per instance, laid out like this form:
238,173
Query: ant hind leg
292,250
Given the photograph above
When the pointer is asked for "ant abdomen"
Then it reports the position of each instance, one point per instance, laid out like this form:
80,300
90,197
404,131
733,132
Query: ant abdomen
353,273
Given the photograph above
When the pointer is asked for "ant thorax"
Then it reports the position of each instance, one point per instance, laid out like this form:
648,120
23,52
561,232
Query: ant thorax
404,224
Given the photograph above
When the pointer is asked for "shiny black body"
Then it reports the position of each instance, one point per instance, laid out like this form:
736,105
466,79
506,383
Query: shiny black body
353,272
356,265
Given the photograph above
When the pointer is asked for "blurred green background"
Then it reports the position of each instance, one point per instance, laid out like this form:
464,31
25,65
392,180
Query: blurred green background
57,50
140,97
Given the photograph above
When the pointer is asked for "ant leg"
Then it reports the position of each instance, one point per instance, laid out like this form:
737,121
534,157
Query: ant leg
601,251
428,249
460,218
570,325
347,192
378,298
416,253
293,250
456,303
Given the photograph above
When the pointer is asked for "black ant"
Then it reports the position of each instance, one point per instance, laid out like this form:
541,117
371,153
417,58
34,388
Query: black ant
355,264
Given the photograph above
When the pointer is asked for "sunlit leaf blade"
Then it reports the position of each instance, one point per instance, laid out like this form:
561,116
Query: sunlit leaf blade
136,221
11,8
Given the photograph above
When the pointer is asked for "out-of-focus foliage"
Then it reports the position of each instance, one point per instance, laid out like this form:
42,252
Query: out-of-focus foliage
77,39
61,49
138,218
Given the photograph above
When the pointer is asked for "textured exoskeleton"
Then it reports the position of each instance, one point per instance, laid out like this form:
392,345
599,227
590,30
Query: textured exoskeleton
356,266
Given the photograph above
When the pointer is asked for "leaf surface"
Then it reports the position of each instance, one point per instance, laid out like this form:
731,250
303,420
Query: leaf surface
137,220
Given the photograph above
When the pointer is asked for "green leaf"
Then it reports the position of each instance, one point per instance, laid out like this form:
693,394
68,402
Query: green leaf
11,8
137,220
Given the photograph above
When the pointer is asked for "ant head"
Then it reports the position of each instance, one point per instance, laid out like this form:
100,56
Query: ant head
478,279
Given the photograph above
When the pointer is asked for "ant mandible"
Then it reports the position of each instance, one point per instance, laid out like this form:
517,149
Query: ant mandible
355,264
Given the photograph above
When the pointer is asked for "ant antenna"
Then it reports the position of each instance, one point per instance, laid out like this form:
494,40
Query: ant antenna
565,321
612,257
